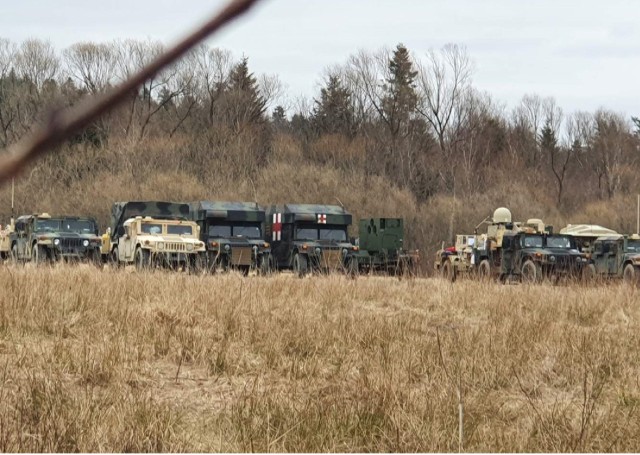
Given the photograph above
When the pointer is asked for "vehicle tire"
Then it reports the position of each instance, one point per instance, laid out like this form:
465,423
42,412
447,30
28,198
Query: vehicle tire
352,267
38,255
300,264
589,273
484,270
449,271
630,274
264,268
531,273
142,259
113,258
14,253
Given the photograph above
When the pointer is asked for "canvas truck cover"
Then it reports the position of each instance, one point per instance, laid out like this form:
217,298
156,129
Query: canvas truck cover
231,211
318,213
586,230
122,211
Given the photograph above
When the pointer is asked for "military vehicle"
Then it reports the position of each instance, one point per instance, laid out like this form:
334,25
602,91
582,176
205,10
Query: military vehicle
5,240
43,238
458,259
533,256
122,211
586,234
381,247
615,256
233,233
308,237
150,242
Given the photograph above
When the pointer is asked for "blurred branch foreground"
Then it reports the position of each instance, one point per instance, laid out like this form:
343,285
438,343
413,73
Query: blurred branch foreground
61,124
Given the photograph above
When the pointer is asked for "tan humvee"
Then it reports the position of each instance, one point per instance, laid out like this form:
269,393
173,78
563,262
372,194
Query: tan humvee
151,242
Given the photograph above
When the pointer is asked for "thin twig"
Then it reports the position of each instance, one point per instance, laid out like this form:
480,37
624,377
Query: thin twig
62,124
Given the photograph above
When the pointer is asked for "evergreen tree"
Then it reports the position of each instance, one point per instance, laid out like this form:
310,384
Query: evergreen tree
401,98
333,112
243,103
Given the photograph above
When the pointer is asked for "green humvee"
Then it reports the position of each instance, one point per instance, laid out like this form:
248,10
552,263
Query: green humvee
233,234
307,237
615,256
381,247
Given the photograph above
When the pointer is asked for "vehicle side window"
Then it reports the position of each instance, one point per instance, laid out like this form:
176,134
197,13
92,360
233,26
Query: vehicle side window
597,248
507,243
614,248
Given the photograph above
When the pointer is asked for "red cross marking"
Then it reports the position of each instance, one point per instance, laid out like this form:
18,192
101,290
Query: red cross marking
277,226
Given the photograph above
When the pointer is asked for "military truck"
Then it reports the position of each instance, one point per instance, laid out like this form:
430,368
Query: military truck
151,242
308,237
233,233
534,256
381,247
43,238
615,256
123,211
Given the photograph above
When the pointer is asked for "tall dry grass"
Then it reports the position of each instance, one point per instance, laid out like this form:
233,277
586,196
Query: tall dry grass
121,361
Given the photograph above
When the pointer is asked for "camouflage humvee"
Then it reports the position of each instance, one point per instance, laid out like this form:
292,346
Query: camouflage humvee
43,238
615,256
233,233
122,211
151,242
307,237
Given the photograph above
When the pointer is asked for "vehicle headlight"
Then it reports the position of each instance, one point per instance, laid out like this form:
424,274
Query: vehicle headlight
552,258
56,242
85,243
227,247
189,246
160,245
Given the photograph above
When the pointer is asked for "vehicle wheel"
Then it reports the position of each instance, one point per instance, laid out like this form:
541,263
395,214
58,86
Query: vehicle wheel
38,255
484,270
142,259
300,265
264,268
14,253
630,274
531,272
113,257
352,268
197,264
589,273
449,271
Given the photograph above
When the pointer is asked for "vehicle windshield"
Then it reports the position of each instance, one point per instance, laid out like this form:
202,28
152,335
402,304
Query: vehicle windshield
78,226
151,228
335,233
48,225
633,246
179,229
532,241
558,241
250,231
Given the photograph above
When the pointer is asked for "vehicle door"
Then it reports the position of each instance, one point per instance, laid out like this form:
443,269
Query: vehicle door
612,257
19,236
130,233
599,259
508,253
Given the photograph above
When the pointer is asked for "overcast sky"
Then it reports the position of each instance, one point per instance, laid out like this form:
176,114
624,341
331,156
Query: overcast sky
585,53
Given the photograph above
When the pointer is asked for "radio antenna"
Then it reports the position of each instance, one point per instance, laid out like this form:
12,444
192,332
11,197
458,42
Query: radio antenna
342,205
12,197
638,217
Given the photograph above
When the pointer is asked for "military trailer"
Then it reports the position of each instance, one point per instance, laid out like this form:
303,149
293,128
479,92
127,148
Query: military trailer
534,256
43,238
381,247
233,233
308,237
123,211
615,256
151,242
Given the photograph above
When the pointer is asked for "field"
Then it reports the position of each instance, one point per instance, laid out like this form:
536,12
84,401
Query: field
125,361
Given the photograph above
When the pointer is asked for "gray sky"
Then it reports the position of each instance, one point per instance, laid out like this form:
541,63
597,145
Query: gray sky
585,53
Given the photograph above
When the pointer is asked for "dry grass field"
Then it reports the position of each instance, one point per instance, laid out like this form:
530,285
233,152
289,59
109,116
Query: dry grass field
122,361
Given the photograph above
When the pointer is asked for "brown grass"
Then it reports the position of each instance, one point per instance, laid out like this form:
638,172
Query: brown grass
121,361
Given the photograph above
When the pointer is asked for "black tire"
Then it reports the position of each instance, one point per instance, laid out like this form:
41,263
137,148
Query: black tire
38,255
14,253
300,264
589,273
531,273
115,261
484,270
264,268
449,271
630,274
197,264
142,259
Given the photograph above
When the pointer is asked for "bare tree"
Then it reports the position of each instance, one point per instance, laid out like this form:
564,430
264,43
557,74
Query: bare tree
37,62
92,65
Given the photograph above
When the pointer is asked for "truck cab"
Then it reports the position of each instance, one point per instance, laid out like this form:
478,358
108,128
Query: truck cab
615,256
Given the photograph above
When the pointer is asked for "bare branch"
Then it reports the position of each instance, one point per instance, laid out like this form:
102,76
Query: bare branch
60,125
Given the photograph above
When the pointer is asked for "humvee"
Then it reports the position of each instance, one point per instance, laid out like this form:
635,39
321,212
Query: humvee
535,256
43,238
233,233
381,247
586,234
151,242
123,211
308,237
615,256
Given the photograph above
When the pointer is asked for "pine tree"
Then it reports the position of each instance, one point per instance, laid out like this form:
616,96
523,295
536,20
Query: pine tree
333,112
401,99
242,101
